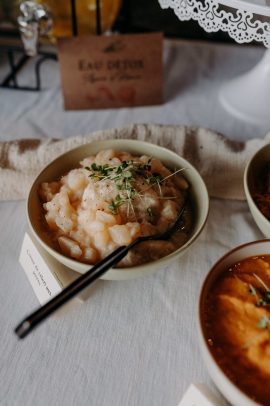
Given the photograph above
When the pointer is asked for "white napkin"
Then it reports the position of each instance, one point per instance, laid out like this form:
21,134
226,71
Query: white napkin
220,161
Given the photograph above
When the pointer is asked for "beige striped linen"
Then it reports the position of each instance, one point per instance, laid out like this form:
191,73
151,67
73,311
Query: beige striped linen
220,161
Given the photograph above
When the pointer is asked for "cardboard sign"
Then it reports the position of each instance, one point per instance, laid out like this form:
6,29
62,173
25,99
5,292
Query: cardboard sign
111,71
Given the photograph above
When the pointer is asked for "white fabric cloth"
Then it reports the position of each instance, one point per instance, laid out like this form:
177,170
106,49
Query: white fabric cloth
134,342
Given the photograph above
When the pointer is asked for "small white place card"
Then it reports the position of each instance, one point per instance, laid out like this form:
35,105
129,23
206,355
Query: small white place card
200,395
47,276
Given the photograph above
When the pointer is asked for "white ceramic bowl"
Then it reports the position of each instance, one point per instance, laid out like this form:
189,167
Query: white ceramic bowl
72,158
229,390
251,175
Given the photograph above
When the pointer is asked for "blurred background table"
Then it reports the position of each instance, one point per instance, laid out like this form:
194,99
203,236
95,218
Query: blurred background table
134,342
246,96
193,74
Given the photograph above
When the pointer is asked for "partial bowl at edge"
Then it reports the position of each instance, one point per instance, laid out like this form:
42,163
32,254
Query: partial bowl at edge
251,175
229,390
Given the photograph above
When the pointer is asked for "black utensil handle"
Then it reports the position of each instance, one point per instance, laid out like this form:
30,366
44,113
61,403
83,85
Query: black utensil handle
70,291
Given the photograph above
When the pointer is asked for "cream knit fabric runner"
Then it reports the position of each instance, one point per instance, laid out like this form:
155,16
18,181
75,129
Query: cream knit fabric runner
220,161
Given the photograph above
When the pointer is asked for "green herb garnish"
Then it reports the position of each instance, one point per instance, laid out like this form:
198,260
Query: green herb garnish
116,203
154,178
125,177
264,323
252,290
261,282
264,301
99,171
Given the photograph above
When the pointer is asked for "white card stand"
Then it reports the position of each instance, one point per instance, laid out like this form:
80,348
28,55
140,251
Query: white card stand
47,276
200,395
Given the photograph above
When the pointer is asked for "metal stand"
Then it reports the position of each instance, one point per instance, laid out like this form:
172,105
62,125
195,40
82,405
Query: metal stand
248,96
11,79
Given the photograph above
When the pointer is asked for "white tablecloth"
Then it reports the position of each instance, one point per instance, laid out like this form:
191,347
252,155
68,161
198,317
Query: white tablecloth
131,343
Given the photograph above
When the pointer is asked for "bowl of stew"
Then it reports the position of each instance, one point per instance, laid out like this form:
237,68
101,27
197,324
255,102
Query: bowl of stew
234,324
103,195
257,188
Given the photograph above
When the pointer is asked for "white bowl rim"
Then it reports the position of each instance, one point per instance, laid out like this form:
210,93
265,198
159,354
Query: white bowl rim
203,290
143,267
246,184
247,190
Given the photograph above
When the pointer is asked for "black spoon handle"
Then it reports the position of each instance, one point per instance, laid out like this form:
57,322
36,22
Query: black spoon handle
88,278
27,325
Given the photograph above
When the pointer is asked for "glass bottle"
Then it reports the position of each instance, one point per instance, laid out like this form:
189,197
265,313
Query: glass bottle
86,16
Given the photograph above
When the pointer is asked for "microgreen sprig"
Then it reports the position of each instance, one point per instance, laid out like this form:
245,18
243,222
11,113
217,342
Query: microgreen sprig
261,282
125,176
115,204
252,290
264,300
99,171
264,323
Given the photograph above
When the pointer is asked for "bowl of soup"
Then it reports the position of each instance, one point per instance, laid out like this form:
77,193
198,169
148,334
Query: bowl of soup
257,188
234,324
105,194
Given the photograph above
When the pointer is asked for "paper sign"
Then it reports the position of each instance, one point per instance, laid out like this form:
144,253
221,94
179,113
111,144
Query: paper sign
46,275
111,71
200,395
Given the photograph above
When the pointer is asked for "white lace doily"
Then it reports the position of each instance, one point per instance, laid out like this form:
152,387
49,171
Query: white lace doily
241,23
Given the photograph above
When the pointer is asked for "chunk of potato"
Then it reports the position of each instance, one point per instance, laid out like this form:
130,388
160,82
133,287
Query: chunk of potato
90,254
102,238
169,211
123,234
70,247
107,218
